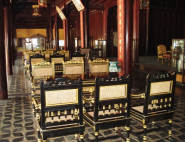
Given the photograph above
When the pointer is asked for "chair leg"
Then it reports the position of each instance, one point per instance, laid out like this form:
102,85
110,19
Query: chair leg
127,128
145,130
96,136
170,129
82,136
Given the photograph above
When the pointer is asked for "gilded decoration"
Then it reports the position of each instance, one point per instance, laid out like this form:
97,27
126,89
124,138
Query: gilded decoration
113,92
163,87
61,97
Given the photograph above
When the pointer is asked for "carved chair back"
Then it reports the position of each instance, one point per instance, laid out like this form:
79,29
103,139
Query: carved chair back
73,67
159,93
99,66
112,98
61,104
35,59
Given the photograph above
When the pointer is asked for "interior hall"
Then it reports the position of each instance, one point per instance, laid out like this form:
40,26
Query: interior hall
92,70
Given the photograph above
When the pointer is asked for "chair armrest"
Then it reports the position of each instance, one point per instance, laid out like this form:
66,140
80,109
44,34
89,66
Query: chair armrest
142,95
160,52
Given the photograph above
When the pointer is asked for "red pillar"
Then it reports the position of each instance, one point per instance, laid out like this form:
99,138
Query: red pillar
121,34
135,52
56,32
128,35
64,28
67,32
86,23
125,35
7,33
81,29
3,79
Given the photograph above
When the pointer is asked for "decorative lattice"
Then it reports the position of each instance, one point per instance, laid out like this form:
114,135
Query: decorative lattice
61,97
164,87
113,92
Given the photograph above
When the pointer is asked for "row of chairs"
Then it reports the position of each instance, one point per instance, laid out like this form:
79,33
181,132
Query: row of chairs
63,111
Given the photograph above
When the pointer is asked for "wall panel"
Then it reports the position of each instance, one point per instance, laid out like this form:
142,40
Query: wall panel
95,27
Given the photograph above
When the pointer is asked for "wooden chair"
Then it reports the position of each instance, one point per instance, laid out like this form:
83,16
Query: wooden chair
111,105
98,66
158,102
78,57
163,54
61,110
35,59
41,71
73,67
58,62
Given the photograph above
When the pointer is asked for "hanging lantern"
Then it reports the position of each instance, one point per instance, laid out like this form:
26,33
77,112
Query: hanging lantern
36,10
42,3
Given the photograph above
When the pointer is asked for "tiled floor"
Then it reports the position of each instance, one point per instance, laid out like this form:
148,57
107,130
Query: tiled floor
17,122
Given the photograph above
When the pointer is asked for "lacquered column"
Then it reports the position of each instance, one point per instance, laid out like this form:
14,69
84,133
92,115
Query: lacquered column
82,29
128,35
3,79
121,35
135,52
86,23
56,32
64,29
67,32
7,35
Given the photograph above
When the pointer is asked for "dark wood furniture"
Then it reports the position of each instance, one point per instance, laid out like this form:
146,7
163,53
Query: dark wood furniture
111,105
35,59
158,102
61,109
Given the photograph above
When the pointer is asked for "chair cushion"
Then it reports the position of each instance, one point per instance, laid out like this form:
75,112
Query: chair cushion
167,55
